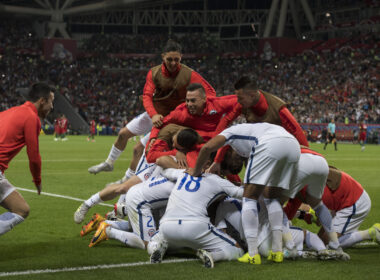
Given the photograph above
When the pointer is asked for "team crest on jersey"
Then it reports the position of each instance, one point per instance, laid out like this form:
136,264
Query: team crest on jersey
151,232
146,176
212,112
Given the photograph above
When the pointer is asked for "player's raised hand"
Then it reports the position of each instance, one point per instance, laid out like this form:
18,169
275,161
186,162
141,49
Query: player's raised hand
157,120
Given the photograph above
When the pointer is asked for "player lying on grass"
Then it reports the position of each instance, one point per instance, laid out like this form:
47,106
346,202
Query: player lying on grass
308,244
350,205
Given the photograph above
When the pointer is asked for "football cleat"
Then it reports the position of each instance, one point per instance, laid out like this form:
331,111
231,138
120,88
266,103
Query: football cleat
291,254
157,247
309,254
246,258
104,166
206,258
276,257
81,213
91,225
374,232
333,255
100,234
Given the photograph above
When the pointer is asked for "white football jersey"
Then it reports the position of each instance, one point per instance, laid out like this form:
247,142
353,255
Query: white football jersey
243,137
191,196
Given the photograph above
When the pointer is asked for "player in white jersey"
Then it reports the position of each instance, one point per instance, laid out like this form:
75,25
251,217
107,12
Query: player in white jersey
186,222
312,171
272,155
229,211
140,201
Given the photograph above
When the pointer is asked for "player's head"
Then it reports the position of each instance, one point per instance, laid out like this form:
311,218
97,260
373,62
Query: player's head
247,91
42,95
195,99
171,55
185,139
232,163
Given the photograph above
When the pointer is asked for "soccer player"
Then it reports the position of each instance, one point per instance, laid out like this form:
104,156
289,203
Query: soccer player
312,170
62,122
56,129
140,201
114,190
229,213
92,131
200,112
257,105
331,135
186,222
362,134
272,154
351,204
20,126
164,90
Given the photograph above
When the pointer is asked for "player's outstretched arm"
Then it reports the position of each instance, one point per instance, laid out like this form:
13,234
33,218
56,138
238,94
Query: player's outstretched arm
204,155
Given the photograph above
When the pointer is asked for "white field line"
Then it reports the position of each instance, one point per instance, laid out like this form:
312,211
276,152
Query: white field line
82,268
60,196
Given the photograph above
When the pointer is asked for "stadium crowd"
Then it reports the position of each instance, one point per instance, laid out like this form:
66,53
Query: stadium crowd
341,84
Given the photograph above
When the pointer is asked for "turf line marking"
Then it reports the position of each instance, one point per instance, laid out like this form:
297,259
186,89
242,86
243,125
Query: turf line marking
82,268
61,196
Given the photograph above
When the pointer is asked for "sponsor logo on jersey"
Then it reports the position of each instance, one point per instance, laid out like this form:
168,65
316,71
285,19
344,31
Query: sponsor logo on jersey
146,176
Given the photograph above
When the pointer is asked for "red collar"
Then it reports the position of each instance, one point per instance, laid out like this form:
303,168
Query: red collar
31,106
167,74
261,106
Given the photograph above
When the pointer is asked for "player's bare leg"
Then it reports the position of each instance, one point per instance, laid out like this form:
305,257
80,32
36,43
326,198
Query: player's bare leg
108,193
18,211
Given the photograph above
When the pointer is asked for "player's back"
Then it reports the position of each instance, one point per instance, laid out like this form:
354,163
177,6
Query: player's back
155,191
191,196
242,137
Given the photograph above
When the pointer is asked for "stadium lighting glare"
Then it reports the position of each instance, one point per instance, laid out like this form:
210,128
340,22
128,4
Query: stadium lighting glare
30,34
3,75
276,66
328,14
303,37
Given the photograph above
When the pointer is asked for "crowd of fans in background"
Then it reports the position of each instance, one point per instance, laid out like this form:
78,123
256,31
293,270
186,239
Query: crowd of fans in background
318,86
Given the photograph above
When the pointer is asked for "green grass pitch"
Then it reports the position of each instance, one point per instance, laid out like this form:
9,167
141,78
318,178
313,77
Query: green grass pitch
49,238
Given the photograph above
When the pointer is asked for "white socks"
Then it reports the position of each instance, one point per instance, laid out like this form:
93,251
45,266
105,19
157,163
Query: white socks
129,173
314,242
93,200
113,155
121,225
352,238
325,218
8,220
250,221
128,238
275,217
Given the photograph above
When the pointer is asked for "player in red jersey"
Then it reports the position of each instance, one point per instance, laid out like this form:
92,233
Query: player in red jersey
62,122
362,134
199,112
164,90
21,126
56,129
92,131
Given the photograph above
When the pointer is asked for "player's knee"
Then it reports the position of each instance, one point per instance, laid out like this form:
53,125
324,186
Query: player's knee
124,134
22,210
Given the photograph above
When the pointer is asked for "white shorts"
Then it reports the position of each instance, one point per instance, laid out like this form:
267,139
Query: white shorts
6,188
140,214
195,235
272,163
140,125
145,139
350,218
312,170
